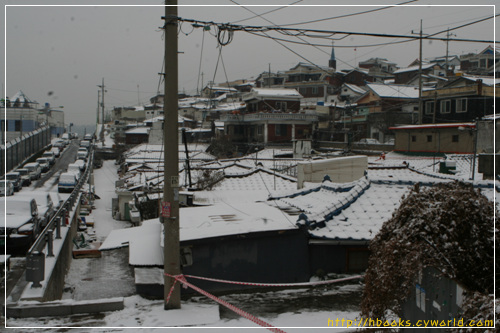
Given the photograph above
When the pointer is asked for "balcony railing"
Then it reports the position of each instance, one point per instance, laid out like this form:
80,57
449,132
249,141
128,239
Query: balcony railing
269,116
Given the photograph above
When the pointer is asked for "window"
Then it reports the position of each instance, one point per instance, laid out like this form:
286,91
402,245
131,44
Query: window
429,138
281,106
446,106
314,90
280,130
413,138
429,107
259,129
17,125
462,105
454,138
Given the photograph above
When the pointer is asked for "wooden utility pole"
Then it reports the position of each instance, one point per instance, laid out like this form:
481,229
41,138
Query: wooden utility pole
101,134
420,111
170,205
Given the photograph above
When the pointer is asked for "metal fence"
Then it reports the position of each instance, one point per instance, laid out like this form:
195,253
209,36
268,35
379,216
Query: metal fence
16,151
35,256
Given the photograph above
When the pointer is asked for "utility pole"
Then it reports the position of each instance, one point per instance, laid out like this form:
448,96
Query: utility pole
420,105
101,135
170,205
447,42
420,111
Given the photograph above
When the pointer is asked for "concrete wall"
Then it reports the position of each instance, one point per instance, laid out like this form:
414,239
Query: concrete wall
340,170
54,289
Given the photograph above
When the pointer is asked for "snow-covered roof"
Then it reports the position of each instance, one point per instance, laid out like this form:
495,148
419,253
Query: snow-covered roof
197,223
276,92
394,90
430,126
138,130
246,186
487,80
355,88
364,217
414,68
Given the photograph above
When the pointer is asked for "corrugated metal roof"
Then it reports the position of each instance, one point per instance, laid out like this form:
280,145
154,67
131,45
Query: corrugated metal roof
394,90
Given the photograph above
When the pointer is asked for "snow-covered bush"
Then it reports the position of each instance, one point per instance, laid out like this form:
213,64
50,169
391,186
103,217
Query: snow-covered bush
449,227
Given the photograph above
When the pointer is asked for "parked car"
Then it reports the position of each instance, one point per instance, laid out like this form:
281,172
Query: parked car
56,151
35,170
81,164
50,156
88,137
74,168
25,176
85,143
67,182
82,155
44,163
21,225
65,137
59,144
15,178
6,188
368,141
44,203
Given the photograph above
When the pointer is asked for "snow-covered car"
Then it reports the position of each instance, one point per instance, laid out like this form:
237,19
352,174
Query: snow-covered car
6,188
21,224
368,141
50,156
45,205
81,164
59,144
35,170
74,168
56,151
44,163
15,178
67,182
82,155
25,176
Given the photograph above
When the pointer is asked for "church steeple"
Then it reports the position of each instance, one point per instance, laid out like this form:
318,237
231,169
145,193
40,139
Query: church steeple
332,63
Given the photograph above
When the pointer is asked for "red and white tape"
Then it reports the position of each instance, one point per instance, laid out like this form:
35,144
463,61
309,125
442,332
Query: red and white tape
231,307
257,284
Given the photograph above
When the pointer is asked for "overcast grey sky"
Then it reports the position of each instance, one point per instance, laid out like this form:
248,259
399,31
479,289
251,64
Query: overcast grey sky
59,54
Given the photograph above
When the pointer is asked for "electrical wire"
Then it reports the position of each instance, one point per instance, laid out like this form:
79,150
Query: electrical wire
268,12
348,15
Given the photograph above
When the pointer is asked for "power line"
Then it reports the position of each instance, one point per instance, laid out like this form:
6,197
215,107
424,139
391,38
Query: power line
262,29
348,15
268,12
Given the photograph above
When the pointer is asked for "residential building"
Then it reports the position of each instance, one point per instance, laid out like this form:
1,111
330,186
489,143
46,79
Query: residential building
382,106
272,115
482,63
408,75
464,99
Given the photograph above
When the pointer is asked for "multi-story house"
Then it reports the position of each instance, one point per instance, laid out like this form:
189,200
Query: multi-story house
272,115
465,99
381,107
482,63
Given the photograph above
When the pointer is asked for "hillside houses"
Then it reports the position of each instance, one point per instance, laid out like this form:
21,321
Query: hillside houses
323,103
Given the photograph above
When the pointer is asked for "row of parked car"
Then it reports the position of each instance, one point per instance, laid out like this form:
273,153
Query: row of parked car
15,180
69,179
28,212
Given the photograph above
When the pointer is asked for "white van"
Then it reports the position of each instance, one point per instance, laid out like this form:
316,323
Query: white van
67,182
